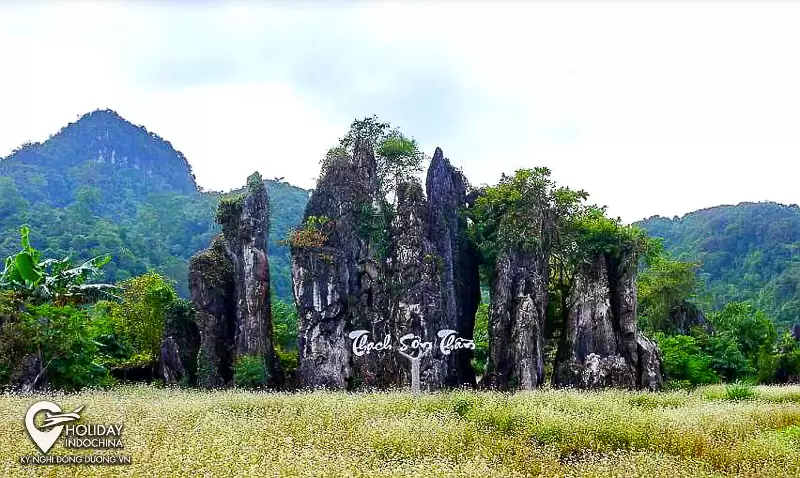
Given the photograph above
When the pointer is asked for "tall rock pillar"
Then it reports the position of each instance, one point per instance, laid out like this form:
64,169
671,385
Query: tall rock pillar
601,345
446,189
338,275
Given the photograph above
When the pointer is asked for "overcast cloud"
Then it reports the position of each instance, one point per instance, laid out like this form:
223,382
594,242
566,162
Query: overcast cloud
653,108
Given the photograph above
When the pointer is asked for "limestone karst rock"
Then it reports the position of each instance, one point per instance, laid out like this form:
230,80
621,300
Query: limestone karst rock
170,368
687,315
601,345
26,376
407,273
415,287
516,320
245,233
229,285
212,292
180,345
338,282
446,189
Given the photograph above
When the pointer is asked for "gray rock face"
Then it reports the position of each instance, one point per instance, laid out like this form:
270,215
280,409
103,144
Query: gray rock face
245,245
338,285
651,372
416,275
600,344
26,376
212,291
446,189
688,315
229,286
417,299
170,368
516,320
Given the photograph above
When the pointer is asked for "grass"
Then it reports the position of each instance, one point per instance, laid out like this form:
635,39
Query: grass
705,432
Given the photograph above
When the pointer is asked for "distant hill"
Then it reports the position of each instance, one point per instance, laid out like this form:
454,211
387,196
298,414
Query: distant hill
750,252
103,185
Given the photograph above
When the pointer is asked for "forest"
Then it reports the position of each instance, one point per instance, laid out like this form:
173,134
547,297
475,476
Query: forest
97,256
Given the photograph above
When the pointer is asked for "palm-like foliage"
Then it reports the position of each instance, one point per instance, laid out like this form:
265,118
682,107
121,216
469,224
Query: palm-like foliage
53,280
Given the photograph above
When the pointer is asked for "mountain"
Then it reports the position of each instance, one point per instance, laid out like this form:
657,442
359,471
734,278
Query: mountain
103,185
747,252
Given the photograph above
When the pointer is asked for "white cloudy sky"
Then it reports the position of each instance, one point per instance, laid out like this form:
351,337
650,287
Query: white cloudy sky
654,108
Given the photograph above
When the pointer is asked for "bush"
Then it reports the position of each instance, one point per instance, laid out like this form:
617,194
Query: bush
481,338
727,359
140,317
684,361
250,372
65,345
289,360
739,391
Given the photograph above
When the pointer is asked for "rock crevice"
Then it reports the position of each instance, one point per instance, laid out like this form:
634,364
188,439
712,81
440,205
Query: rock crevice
601,345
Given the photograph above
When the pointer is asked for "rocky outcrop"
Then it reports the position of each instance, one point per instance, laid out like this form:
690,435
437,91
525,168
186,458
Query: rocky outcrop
339,279
600,343
687,315
212,291
416,280
446,189
180,345
229,286
245,233
27,374
170,368
516,320
412,274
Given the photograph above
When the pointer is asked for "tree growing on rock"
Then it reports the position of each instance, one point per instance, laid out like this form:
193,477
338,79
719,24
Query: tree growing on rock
512,225
398,157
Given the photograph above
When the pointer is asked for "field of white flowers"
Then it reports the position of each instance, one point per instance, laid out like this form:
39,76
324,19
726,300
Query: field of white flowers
544,433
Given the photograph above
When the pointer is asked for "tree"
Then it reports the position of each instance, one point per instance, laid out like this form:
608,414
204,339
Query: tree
52,280
664,285
513,214
684,361
140,315
398,157
752,330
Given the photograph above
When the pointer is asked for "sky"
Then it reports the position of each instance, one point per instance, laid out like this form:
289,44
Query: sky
654,108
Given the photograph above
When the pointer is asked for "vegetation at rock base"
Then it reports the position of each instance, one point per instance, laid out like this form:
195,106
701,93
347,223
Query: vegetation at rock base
250,372
140,317
705,433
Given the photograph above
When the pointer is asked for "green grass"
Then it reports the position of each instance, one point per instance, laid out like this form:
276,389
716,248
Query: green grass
542,433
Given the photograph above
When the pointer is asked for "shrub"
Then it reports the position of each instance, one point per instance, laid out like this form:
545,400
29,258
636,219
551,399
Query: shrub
250,372
739,391
67,352
289,360
683,360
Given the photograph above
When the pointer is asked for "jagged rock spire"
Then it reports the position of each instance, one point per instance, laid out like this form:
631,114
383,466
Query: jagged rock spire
229,284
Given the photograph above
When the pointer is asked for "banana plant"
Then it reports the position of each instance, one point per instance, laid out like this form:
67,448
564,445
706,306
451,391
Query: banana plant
53,280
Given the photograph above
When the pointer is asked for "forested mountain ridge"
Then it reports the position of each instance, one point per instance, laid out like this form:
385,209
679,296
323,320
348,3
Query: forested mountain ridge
90,153
103,185
747,252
